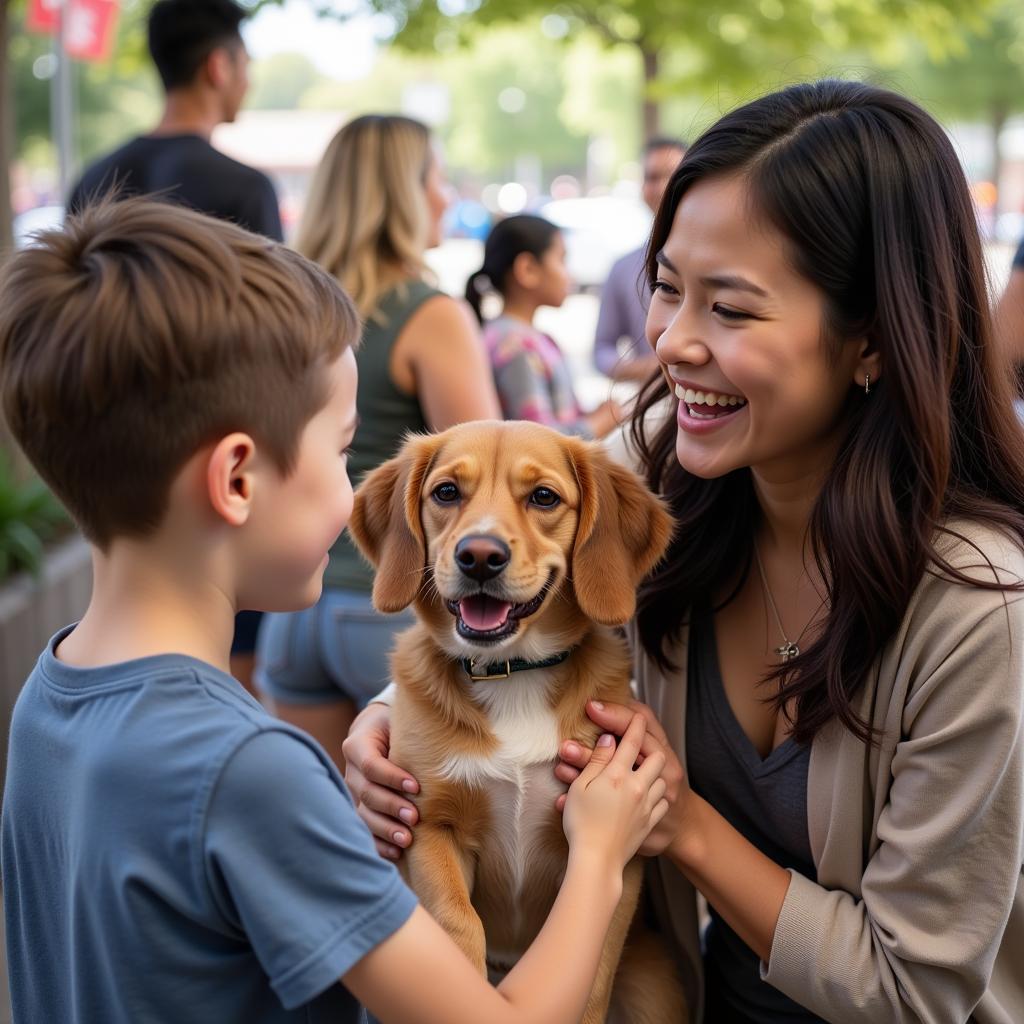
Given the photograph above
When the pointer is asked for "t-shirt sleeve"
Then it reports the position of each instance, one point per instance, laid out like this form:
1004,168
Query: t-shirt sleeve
1018,259
293,868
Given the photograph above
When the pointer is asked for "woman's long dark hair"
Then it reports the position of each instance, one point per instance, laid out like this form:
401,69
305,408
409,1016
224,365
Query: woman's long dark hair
508,239
870,196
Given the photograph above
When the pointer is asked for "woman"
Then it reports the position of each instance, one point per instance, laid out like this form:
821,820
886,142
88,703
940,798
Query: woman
834,645
374,208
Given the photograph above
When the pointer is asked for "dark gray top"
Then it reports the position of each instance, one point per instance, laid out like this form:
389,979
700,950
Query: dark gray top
185,169
763,798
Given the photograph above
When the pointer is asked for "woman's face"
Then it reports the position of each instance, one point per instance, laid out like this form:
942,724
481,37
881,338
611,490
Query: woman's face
438,196
741,334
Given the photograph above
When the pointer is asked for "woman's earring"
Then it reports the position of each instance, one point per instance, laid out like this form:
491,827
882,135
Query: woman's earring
867,383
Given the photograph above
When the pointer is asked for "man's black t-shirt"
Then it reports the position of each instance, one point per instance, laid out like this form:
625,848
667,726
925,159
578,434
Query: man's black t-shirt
185,169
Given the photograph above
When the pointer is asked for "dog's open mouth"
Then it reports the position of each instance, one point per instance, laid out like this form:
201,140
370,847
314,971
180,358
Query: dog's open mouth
482,618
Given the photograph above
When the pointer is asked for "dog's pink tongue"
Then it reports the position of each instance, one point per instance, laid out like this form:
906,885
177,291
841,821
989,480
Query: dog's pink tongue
482,612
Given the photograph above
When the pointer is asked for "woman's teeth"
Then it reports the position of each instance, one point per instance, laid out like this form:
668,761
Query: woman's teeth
707,398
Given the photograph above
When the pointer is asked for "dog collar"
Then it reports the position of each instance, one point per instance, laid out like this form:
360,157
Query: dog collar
503,669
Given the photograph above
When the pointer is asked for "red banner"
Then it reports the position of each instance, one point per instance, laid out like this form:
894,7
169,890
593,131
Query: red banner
89,34
90,30
43,16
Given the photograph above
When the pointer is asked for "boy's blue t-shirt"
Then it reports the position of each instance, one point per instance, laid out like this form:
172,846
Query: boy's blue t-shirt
173,853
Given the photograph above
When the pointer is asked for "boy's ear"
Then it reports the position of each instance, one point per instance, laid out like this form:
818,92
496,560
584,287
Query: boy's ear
229,478
623,531
386,527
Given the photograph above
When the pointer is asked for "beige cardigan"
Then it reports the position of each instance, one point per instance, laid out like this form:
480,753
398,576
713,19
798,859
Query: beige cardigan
918,910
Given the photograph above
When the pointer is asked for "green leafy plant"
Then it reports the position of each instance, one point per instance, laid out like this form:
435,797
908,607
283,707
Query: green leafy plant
30,516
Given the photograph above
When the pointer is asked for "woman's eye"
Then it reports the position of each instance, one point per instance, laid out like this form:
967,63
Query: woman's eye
664,287
544,497
730,314
446,493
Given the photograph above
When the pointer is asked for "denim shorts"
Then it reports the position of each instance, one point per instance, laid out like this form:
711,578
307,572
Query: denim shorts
337,650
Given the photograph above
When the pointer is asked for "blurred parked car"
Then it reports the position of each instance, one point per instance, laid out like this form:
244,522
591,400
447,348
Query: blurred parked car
40,218
598,230
466,218
1010,227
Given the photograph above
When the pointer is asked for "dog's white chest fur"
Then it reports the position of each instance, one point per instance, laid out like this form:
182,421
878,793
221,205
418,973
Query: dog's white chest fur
522,721
519,776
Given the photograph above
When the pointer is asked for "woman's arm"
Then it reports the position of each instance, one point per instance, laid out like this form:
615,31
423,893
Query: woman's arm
439,356
609,811
377,785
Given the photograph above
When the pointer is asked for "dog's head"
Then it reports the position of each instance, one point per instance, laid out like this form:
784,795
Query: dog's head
508,536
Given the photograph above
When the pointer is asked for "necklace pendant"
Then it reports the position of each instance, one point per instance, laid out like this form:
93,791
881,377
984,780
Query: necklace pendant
787,650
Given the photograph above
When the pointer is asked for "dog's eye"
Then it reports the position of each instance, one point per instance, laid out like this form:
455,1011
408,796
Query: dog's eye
446,493
544,497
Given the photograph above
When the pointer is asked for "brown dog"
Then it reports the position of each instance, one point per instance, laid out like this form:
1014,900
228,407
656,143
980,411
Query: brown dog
519,547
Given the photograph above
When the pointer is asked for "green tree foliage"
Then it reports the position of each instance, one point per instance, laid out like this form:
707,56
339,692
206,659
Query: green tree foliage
568,96
739,47
279,82
982,79
115,99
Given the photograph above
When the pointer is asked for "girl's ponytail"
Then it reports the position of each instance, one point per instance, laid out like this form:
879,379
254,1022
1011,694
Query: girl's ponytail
478,285
508,239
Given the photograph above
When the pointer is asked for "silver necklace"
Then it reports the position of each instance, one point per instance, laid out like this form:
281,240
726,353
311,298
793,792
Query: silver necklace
788,649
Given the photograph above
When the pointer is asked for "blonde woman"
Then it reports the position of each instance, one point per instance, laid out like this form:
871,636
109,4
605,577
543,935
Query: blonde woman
374,208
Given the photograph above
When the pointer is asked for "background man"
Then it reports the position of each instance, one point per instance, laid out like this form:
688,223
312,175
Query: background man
624,297
203,64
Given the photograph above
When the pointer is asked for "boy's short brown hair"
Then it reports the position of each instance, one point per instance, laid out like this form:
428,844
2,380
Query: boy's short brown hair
143,331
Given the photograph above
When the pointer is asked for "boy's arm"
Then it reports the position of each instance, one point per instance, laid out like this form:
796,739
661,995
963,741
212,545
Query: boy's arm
440,986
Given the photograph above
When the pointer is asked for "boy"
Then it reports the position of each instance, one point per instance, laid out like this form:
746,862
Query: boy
170,851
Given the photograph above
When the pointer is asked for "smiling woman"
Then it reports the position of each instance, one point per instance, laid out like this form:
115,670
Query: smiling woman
845,470
832,650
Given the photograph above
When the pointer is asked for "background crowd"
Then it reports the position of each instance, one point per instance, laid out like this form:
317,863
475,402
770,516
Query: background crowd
477,341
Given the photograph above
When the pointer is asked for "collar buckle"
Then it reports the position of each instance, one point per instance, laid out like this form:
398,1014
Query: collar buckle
488,674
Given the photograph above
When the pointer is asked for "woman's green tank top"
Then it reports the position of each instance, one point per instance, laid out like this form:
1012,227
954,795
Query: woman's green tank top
386,415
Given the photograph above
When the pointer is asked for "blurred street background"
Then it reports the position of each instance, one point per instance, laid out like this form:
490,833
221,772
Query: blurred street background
539,106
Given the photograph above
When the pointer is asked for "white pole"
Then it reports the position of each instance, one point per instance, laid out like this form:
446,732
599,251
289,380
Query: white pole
62,105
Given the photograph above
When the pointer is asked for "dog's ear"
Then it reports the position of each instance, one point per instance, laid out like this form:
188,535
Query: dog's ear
386,527
623,531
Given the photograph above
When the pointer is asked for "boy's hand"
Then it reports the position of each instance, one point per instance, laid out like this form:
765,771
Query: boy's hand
611,807
376,782
654,743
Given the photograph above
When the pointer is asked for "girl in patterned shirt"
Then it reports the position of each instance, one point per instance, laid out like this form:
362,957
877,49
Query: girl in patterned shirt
524,261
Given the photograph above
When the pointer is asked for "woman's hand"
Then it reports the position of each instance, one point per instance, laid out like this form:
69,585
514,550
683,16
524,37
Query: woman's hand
376,782
612,806
616,718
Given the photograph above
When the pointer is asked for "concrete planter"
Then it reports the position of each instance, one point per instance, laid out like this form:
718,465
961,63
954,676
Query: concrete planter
31,611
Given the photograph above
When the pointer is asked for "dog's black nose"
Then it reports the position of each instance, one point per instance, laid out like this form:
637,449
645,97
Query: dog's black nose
481,557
